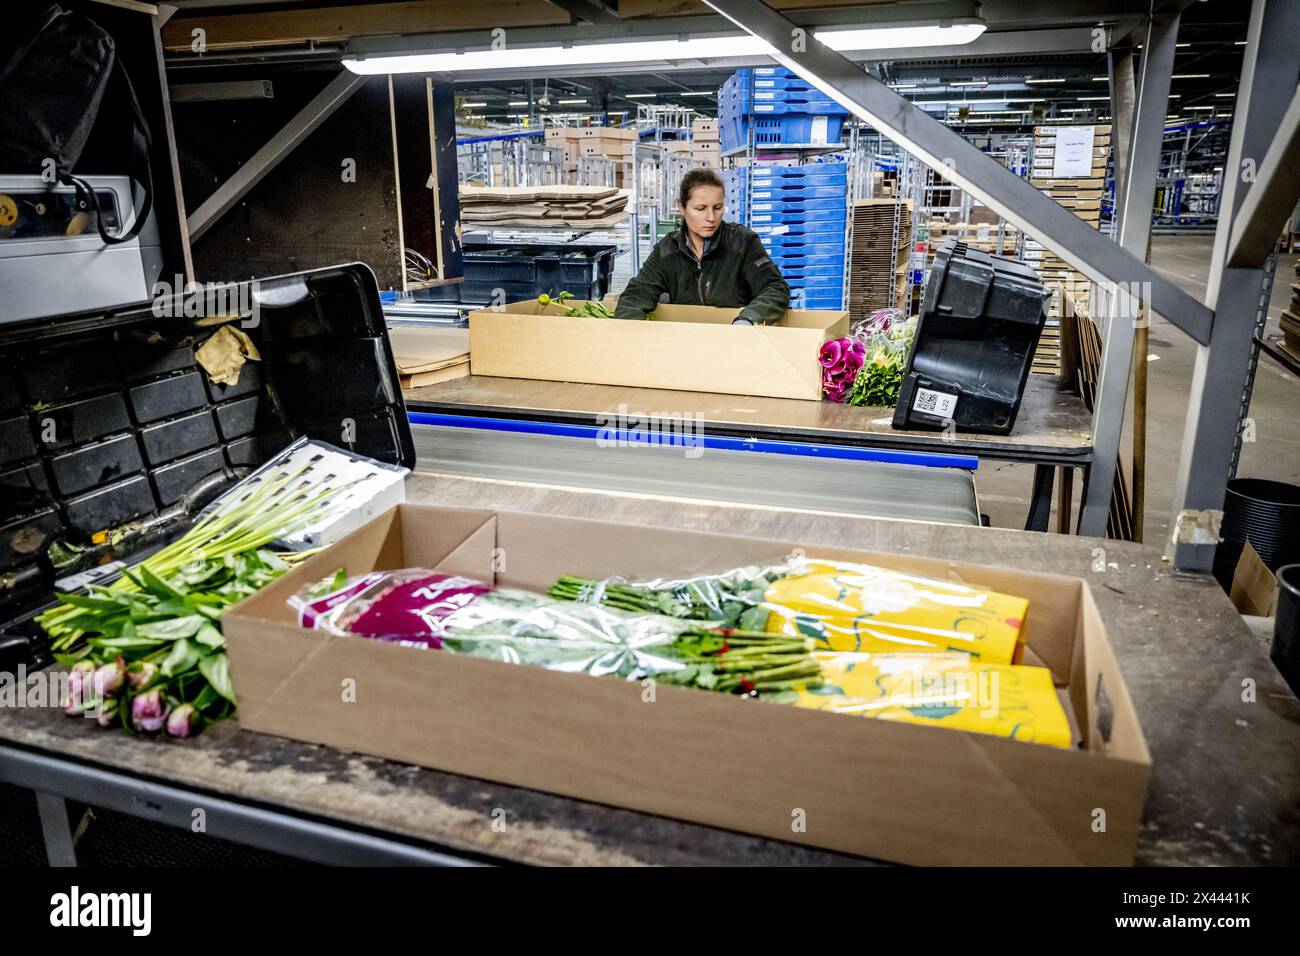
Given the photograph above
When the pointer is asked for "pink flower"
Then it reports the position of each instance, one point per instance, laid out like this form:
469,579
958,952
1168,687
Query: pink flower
183,721
149,711
831,351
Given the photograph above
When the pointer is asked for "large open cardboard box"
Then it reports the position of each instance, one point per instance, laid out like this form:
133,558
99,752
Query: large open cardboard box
686,347
900,792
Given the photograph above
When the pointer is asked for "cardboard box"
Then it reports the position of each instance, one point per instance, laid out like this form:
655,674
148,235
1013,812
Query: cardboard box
681,349
609,132
901,792
705,129
617,149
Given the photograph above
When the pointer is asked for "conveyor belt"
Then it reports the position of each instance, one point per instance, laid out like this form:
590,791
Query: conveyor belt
876,489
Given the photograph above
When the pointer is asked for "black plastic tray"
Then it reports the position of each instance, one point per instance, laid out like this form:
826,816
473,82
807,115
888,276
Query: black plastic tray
110,422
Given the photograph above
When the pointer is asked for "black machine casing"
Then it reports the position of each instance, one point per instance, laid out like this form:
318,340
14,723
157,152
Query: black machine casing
108,424
981,316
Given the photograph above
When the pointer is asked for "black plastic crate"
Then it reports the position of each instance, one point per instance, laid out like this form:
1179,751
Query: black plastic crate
110,422
527,271
980,319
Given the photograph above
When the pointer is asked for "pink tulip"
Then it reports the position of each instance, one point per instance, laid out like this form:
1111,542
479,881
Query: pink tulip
149,711
183,721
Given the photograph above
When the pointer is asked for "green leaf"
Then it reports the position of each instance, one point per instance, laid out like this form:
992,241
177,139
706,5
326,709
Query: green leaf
754,619
207,697
67,660
212,613
210,636
124,643
216,668
173,629
89,603
183,656
157,585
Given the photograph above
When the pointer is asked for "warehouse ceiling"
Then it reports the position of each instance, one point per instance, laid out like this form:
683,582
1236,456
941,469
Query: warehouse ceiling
1068,80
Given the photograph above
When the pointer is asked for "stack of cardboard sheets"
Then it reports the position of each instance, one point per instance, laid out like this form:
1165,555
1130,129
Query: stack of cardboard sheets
586,207
429,356
1290,320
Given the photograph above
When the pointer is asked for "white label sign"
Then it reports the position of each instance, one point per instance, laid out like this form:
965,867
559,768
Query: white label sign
934,403
819,131
1073,157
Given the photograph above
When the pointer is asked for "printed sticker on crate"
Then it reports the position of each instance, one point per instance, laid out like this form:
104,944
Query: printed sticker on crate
931,402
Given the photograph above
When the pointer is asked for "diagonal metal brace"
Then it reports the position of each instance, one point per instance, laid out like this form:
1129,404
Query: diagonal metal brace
1257,223
1015,199
321,107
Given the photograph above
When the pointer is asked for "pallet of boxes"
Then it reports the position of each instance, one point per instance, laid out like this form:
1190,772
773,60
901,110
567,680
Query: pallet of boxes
611,143
705,148
1069,164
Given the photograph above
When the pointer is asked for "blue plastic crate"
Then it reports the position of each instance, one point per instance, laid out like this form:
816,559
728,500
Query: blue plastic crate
826,232
823,284
815,178
792,272
789,128
797,215
802,245
797,260
822,210
796,193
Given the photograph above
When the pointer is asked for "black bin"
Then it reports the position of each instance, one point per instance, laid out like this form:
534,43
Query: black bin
980,319
526,271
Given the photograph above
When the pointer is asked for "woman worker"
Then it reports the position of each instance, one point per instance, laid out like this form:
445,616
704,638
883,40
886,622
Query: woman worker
708,262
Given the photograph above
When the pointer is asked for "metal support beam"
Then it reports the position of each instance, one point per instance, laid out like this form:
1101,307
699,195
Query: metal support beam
1121,311
60,847
1270,201
1268,80
268,157
1123,97
1015,199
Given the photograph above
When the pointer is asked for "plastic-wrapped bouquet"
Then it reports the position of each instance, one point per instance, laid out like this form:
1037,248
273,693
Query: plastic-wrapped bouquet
886,338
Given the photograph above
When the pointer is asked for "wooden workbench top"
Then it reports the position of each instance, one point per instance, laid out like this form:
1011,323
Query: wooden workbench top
1052,423
1226,781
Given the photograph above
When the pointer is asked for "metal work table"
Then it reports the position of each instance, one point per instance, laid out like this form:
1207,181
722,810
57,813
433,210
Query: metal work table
1052,430
1226,772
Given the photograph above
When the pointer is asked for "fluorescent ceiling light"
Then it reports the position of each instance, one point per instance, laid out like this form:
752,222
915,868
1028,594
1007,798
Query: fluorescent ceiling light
1225,96
890,38
1078,109
1223,116
905,86
1182,44
640,96
1082,98
1240,43
517,103
700,93
980,83
1101,79
1026,99
1191,76
650,51
1056,79
1210,108
572,102
475,103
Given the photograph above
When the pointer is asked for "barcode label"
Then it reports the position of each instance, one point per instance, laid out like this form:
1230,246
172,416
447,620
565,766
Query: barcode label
75,582
763,207
934,403
818,131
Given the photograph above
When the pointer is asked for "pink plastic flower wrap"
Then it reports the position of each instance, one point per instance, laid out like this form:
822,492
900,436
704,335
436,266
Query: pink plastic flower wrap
841,359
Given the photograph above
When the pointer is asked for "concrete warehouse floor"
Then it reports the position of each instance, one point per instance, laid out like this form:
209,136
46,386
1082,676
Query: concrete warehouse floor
1275,403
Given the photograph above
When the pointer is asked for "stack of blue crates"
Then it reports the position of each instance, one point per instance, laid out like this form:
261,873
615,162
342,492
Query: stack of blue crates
799,212
780,107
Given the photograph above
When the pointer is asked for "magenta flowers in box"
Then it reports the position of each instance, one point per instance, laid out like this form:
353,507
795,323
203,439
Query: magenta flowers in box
841,359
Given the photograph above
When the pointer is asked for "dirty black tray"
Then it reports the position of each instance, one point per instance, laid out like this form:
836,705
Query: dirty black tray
112,435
